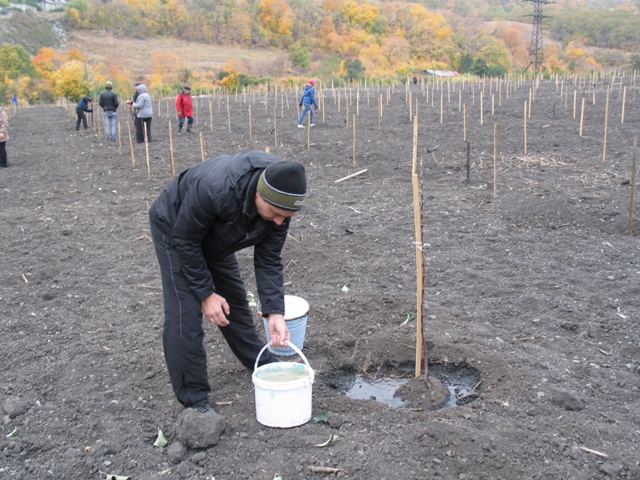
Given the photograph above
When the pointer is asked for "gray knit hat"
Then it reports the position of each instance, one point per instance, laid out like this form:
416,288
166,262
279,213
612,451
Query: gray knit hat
284,185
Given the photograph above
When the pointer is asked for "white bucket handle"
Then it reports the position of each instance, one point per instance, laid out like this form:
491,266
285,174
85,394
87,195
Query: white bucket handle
296,349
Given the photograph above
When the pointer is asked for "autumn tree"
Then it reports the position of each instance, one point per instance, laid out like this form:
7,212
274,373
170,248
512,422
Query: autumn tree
15,62
69,81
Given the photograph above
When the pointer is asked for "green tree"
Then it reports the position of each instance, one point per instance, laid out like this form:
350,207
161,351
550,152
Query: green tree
464,63
634,60
15,62
480,67
354,69
300,55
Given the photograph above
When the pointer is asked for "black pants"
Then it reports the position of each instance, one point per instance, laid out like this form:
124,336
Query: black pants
141,124
3,154
81,117
183,333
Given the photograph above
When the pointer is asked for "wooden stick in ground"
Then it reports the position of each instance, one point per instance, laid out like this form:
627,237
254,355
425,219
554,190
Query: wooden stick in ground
606,123
525,127
173,165
495,160
309,130
228,114
119,138
133,158
202,152
146,148
250,126
624,97
417,216
582,116
210,114
354,140
350,176
633,184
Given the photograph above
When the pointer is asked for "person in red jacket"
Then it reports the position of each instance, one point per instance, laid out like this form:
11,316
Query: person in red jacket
183,106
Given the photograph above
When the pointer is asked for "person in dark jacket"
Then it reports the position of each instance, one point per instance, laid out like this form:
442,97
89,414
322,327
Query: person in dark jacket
307,100
83,106
110,103
198,222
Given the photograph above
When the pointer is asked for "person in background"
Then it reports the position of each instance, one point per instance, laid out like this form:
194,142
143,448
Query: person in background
144,108
83,106
4,136
109,103
14,101
307,100
131,110
183,106
198,222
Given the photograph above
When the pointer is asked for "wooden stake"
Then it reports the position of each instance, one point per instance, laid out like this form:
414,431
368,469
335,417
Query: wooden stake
133,159
210,114
354,141
350,176
146,148
624,97
633,184
417,216
202,152
495,160
582,116
606,123
173,166
525,127
250,126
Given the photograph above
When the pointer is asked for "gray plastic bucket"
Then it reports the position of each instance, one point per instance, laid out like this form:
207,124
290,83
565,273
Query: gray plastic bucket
296,314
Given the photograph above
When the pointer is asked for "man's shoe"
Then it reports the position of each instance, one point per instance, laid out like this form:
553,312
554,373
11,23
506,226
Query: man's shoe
204,408
300,126
179,129
312,125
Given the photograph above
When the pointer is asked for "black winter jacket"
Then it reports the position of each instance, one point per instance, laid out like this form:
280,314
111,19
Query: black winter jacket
209,212
109,101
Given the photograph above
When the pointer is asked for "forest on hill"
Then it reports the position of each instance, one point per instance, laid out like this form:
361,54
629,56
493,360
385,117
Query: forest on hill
333,40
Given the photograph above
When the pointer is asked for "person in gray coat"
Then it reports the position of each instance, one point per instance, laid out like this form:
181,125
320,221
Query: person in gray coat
143,106
198,222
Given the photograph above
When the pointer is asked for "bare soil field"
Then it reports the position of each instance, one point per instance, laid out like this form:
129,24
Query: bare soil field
534,288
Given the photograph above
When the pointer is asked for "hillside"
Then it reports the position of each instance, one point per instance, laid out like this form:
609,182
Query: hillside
136,55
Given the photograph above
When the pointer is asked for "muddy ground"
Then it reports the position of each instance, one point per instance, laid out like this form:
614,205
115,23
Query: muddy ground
534,288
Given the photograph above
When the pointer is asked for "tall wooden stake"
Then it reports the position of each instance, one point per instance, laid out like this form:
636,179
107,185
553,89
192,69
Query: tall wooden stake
417,215
633,184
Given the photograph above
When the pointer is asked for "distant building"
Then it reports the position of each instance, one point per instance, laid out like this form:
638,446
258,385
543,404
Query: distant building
48,5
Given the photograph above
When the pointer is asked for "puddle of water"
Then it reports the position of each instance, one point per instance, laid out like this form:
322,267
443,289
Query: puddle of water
379,389
459,381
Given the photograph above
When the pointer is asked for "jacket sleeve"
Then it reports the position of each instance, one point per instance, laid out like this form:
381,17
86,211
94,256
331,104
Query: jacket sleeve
116,101
179,105
267,261
195,218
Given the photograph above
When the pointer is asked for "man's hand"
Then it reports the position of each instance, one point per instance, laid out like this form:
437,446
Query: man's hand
215,309
278,330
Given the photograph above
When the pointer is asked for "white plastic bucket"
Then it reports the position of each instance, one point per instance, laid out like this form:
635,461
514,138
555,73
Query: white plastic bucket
296,314
283,392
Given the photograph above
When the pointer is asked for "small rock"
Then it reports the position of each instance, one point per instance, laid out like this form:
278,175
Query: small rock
198,457
15,406
176,452
335,420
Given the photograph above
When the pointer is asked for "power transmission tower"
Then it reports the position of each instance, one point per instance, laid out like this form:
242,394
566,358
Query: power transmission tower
536,50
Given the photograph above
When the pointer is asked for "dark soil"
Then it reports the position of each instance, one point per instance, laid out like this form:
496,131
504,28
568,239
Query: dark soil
536,288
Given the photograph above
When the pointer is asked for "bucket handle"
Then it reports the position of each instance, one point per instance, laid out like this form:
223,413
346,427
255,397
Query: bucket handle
296,349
